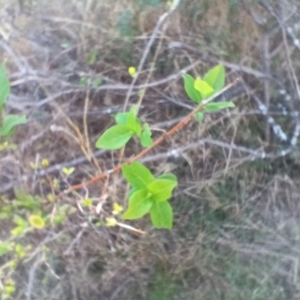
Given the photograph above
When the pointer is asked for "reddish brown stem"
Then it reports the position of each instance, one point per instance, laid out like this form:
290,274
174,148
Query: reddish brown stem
166,135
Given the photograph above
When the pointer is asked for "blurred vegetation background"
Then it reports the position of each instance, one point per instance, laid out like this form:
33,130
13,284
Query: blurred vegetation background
236,230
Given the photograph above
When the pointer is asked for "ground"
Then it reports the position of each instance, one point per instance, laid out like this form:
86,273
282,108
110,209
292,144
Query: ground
236,209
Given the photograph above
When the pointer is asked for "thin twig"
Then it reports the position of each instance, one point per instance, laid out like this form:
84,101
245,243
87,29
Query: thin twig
287,52
17,60
211,59
75,240
80,138
266,65
105,87
270,120
31,277
85,127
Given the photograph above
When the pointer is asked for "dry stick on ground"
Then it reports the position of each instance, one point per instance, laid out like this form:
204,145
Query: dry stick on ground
165,136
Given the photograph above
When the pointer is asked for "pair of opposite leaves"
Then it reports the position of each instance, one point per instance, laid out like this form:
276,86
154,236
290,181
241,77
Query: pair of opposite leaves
199,89
128,125
149,195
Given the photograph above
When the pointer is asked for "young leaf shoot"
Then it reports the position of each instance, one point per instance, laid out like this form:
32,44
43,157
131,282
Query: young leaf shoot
216,78
189,88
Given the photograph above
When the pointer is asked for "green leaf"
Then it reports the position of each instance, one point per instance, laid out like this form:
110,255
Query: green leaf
4,86
168,176
133,122
83,80
203,87
162,215
146,139
131,191
97,82
19,230
216,78
10,122
6,214
87,202
121,118
115,137
139,204
93,56
161,189
137,175
27,201
19,221
4,248
216,106
193,94
199,116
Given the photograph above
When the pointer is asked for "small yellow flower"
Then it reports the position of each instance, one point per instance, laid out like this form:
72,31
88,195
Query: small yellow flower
117,208
87,202
45,163
36,222
132,71
6,145
68,171
169,3
111,222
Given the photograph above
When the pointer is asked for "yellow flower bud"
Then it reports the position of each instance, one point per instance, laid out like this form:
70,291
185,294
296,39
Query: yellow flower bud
132,71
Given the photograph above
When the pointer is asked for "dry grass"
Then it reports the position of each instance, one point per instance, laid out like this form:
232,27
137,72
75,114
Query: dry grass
236,231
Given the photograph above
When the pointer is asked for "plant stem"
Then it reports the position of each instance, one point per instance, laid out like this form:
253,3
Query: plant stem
162,138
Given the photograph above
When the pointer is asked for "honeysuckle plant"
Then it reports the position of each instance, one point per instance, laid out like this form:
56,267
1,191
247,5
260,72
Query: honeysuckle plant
149,194
8,122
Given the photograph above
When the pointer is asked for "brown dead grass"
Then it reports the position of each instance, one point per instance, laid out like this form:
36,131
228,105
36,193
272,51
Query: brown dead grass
232,216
